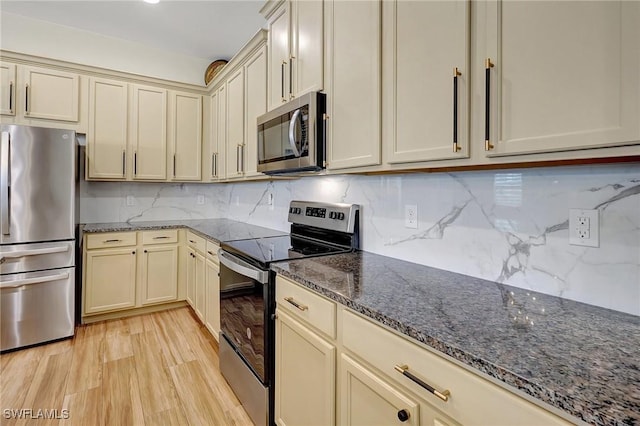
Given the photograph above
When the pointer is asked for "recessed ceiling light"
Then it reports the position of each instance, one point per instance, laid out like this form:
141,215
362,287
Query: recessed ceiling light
151,1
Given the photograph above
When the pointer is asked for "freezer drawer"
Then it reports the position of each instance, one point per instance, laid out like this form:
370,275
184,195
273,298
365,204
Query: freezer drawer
36,307
36,257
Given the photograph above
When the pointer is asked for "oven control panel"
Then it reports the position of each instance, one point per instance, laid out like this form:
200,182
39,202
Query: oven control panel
334,216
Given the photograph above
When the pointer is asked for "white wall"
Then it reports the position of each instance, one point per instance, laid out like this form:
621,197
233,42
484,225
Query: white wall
40,38
507,226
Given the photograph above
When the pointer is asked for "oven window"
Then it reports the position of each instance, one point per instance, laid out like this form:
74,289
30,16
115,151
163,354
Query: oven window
273,137
242,317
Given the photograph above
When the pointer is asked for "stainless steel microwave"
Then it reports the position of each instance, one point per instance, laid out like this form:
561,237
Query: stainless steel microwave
291,137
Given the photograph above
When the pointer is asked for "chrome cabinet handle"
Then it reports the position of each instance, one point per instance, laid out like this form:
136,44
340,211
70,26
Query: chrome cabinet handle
488,146
284,63
135,163
124,159
164,237
296,304
26,99
174,165
241,158
112,241
291,58
11,96
5,207
213,165
292,136
456,74
404,370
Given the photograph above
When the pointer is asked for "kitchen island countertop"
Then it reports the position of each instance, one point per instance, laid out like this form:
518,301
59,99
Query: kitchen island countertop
218,230
583,360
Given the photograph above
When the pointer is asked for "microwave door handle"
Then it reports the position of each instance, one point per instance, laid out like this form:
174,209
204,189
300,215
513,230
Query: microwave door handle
292,137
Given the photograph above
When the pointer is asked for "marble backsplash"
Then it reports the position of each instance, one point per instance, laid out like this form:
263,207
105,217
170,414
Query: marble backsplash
509,226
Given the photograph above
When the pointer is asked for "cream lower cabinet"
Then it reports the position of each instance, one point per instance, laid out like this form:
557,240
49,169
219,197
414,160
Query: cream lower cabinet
191,277
110,282
368,400
212,298
159,280
305,375
196,273
330,359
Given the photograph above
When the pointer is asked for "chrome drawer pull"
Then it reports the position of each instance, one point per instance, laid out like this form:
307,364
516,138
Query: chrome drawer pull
111,241
404,370
296,304
160,238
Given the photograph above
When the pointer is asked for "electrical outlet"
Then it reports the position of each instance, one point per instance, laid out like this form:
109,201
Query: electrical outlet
270,201
411,216
131,201
200,199
584,227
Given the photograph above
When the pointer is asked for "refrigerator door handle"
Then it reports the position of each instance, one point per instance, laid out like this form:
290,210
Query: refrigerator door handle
24,253
35,280
4,183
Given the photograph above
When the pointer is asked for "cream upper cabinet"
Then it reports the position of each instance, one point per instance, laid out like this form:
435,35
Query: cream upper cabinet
426,80
107,137
110,279
185,136
235,143
562,75
149,132
50,94
305,371
213,160
7,88
295,49
255,73
368,400
159,274
353,83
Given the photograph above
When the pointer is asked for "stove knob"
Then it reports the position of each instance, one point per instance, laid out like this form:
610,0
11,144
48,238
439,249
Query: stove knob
333,215
298,210
340,216
291,209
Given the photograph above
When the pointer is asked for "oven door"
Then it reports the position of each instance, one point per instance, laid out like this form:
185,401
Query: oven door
244,311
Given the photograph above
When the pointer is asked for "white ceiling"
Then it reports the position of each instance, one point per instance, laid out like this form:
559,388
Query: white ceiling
203,29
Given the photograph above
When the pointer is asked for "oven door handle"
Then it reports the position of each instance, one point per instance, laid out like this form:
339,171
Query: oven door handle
292,132
242,267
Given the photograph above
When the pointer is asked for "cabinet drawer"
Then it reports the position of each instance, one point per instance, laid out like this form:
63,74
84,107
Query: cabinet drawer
110,239
196,242
212,251
472,399
163,236
316,310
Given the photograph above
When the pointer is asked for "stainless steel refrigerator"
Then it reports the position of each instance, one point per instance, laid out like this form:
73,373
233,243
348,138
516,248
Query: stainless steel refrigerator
37,235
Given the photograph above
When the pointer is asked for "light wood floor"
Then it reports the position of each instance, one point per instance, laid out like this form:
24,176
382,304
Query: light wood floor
155,369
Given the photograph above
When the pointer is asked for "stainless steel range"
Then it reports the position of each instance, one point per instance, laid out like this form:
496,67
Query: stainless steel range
247,295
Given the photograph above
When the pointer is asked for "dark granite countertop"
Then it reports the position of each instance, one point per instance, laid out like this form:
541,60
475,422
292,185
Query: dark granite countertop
214,229
582,359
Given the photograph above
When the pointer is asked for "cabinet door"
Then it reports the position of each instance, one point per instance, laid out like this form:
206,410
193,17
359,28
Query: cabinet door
186,136
305,375
107,137
159,274
305,62
368,400
149,132
214,159
566,75
212,298
278,51
7,88
353,83
110,280
424,43
191,278
221,165
199,283
50,94
235,124
256,92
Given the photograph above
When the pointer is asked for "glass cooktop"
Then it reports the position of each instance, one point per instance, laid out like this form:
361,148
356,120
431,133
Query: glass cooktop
280,248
